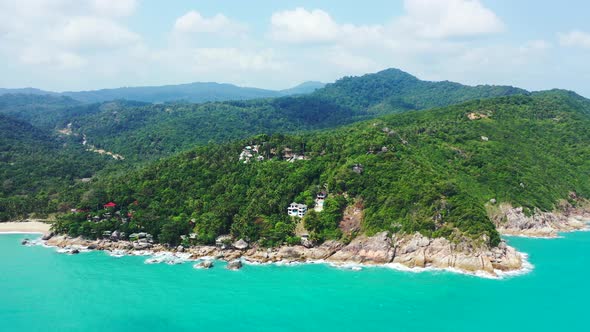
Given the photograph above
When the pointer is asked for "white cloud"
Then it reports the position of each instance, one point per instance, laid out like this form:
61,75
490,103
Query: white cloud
301,25
194,22
114,7
424,19
83,33
64,33
449,18
575,38
54,58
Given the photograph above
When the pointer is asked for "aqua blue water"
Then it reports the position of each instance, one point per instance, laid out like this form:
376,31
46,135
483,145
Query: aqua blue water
41,290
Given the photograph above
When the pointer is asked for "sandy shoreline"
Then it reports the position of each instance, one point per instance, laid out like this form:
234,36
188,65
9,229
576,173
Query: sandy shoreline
24,227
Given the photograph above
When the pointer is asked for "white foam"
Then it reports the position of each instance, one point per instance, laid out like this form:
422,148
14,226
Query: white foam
534,237
117,253
169,258
347,266
527,267
255,263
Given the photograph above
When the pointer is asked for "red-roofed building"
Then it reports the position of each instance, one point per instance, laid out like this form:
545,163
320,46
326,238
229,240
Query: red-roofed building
109,205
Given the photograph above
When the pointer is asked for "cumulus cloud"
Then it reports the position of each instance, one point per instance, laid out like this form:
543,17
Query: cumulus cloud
64,33
56,58
575,38
424,19
92,33
301,25
449,18
194,22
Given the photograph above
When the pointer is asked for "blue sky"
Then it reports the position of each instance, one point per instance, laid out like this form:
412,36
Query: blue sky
89,44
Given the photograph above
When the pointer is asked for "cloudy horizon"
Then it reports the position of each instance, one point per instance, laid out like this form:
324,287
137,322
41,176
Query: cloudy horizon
63,45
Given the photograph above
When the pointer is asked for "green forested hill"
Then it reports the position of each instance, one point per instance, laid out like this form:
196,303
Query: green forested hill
154,131
393,90
429,171
41,110
37,169
54,112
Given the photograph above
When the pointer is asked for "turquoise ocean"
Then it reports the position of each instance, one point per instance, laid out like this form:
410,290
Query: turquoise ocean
42,290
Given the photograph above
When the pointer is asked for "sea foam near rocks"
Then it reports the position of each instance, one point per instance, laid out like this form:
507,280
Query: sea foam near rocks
168,258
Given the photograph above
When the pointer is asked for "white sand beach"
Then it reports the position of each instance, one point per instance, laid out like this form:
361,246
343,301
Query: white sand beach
24,227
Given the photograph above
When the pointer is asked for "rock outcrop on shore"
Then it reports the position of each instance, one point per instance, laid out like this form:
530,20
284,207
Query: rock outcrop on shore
419,251
413,251
513,221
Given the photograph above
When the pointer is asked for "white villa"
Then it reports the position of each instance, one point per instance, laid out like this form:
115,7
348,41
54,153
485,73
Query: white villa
297,210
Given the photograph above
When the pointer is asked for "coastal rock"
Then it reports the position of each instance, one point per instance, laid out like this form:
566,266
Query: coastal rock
262,255
306,242
514,221
324,251
74,251
234,265
295,253
92,246
203,251
230,255
419,251
180,249
240,244
204,265
141,245
116,236
505,258
124,245
47,236
414,250
369,250
25,242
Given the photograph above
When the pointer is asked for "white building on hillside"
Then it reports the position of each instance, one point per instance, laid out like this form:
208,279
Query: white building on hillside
297,210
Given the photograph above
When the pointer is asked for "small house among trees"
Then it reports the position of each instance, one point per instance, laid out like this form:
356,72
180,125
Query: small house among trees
297,210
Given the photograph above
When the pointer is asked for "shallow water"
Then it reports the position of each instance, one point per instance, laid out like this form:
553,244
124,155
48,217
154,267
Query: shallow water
42,290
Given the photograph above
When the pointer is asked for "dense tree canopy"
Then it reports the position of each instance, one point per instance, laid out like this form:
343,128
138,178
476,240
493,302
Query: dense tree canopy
428,171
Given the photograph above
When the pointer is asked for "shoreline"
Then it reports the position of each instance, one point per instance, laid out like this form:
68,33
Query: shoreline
549,231
407,253
410,253
25,227
169,257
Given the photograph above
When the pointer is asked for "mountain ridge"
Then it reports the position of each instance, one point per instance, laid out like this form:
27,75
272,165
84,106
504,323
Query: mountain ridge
195,92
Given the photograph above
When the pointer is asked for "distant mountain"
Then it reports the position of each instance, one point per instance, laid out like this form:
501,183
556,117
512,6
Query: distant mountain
192,93
154,131
303,88
37,109
28,91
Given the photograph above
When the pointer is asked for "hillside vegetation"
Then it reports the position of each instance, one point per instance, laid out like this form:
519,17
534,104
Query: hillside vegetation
151,132
429,171
37,170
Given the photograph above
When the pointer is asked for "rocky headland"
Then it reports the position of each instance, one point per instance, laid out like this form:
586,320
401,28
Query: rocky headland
411,251
514,222
414,251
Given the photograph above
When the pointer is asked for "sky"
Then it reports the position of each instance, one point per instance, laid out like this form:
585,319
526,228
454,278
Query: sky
62,45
